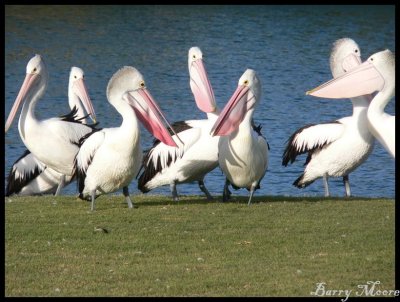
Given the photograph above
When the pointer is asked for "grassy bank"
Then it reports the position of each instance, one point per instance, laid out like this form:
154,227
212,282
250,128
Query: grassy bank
278,246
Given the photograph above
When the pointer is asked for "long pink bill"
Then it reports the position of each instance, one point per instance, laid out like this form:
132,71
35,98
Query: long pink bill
81,90
201,87
362,80
232,114
30,79
151,116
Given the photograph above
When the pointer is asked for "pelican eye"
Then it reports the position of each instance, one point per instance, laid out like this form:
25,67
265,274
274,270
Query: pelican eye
142,84
34,69
246,82
194,56
356,50
75,77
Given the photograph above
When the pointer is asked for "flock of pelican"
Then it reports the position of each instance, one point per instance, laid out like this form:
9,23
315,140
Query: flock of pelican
63,149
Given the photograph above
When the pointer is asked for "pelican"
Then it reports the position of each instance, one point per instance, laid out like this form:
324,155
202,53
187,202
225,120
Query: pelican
376,74
108,159
242,151
53,142
29,176
337,148
165,165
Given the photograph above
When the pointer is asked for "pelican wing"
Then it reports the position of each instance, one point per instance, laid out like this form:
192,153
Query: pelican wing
161,156
88,147
264,147
89,144
68,131
25,168
310,138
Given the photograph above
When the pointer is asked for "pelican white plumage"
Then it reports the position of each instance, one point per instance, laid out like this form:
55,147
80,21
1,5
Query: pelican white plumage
165,165
29,176
110,158
242,151
52,141
376,74
337,148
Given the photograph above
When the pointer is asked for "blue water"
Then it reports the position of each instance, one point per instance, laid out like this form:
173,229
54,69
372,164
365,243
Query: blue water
288,46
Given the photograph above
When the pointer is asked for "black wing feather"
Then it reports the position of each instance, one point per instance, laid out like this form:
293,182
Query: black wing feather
149,168
80,174
14,184
291,152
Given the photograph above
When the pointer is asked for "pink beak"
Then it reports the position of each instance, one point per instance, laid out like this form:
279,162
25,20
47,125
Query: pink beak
30,79
362,80
81,90
233,112
201,87
151,116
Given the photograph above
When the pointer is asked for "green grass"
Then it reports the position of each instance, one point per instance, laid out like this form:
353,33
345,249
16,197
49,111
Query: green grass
278,246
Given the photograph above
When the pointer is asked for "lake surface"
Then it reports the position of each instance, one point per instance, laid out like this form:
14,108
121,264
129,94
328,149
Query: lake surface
288,46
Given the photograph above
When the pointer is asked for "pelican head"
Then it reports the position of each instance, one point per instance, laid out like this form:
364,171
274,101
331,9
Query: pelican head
345,55
35,82
78,93
385,63
127,85
199,82
376,73
243,100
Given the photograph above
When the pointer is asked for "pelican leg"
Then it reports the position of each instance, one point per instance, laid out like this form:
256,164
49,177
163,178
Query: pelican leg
60,185
125,191
325,178
252,190
93,196
173,191
204,189
226,194
347,185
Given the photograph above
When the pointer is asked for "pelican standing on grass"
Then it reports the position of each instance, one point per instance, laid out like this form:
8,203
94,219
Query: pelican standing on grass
337,148
165,165
376,74
53,141
110,158
29,176
242,151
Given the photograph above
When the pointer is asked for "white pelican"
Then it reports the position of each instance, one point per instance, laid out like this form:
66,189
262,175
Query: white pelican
376,74
336,148
165,165
242,151
53,141
29,176
110,158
